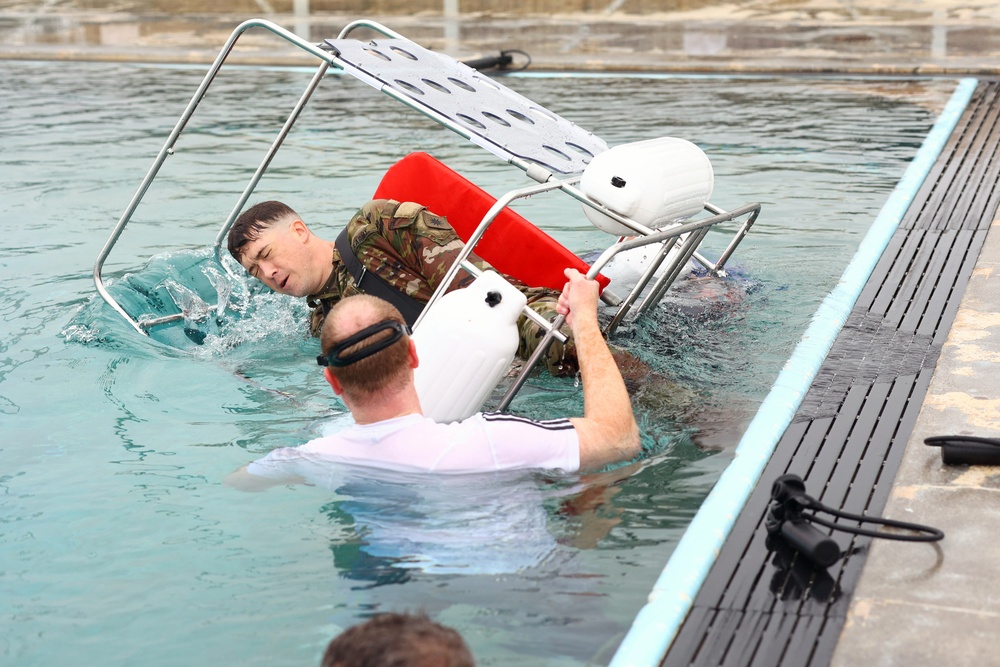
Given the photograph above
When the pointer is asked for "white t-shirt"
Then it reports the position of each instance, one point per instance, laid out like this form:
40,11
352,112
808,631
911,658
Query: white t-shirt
481,443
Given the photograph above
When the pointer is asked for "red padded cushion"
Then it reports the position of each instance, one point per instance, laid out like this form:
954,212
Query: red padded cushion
511,244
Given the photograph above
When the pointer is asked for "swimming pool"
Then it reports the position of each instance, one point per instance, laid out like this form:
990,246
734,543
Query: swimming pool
119,543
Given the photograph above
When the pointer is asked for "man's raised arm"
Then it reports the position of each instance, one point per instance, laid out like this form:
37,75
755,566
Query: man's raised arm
607,431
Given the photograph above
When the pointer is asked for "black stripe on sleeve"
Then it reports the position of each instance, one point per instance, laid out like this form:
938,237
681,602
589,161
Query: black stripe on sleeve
549,424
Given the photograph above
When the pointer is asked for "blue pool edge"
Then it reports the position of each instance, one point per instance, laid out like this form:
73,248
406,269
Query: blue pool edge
671,597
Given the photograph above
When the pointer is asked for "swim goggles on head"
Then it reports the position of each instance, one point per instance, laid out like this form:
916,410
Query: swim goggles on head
334,357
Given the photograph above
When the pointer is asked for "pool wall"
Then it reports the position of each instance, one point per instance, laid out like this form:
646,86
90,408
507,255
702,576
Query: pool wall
658,622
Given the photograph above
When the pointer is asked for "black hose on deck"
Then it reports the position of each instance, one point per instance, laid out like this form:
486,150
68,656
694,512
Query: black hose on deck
502,62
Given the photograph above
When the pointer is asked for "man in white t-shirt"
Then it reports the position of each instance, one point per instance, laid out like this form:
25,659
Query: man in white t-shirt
369,359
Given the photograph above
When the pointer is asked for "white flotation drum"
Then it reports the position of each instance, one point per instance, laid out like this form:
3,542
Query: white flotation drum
465,343
654,182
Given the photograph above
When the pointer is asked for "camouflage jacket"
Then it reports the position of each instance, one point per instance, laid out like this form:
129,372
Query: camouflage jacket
412,249
404,244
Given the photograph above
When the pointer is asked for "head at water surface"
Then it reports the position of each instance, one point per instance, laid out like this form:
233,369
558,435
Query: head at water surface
275,246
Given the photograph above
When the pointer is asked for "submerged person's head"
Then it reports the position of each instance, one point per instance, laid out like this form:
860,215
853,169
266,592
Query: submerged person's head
366,346
398,640
273,244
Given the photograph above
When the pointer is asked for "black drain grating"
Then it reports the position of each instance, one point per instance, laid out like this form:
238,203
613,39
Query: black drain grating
764,607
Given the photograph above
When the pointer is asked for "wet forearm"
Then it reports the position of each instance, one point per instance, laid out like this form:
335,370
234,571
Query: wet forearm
605,399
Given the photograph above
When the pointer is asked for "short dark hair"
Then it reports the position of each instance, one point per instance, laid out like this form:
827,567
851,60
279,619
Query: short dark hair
253,221
398,640
382,369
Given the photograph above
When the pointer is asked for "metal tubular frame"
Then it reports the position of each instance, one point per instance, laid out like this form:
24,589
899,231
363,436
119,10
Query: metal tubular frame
696,231
168,150
328,58
667,238
679,243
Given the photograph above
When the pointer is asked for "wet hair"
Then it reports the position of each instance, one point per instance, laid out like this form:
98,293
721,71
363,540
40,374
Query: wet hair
382,370
398,640
253,221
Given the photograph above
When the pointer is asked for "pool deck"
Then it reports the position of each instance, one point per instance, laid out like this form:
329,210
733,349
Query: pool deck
915,604
789,36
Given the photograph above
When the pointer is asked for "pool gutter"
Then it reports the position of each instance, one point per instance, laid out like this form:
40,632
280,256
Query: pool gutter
670,599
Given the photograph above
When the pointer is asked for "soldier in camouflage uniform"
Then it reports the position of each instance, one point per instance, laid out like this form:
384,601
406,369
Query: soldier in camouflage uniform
406,245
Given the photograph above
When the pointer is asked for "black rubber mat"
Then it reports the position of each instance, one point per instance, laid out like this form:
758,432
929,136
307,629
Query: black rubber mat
764,606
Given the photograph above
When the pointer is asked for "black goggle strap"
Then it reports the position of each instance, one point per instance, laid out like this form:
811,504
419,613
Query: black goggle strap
334,358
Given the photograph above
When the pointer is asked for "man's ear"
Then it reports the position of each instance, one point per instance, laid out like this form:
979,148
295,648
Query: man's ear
299,229
414,360
338,389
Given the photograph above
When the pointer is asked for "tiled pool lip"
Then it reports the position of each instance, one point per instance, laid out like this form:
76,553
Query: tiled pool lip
657,623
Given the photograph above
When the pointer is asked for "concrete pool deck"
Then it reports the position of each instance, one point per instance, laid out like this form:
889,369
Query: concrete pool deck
795,36
916,604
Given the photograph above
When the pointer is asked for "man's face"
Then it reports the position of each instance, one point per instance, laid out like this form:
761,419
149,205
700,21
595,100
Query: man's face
283,258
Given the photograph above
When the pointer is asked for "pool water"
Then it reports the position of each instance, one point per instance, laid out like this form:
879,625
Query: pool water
120,544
